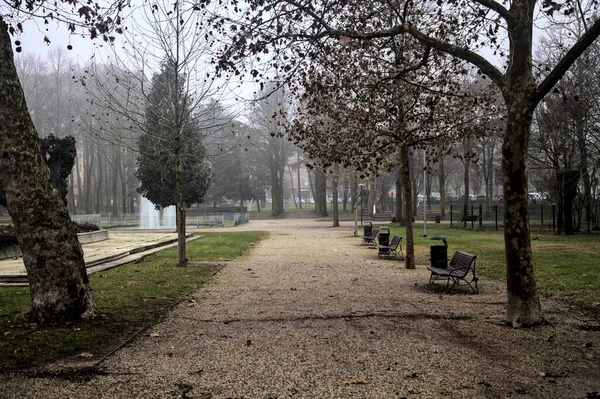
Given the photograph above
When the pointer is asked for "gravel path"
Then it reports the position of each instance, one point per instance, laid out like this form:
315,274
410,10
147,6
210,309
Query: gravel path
311,313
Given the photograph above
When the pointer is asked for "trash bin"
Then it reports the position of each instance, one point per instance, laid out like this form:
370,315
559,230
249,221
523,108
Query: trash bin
439,253
367,229
438,219
384,239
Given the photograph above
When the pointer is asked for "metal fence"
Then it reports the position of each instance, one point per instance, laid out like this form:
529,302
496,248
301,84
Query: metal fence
135,221
541,216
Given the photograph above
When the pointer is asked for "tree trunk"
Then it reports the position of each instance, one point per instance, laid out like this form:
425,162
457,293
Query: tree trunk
107,185
570,179
299,183
414,188
88,176
467,164
523,300
427,181
52,254
371,201
561,204
276,197
99,181
78,202
399,190
345,192
293,189
311,185
321,192
408,206
277,171
336,214
124,194
181,206
442,184
399,200
488,173
116,166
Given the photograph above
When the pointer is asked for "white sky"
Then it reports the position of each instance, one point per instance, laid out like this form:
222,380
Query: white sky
32,41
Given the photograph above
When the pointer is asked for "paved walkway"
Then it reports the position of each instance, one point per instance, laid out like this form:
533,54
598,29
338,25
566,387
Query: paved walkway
312,313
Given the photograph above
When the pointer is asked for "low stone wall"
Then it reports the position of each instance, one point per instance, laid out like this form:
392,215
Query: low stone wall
92,236
11,251
14,251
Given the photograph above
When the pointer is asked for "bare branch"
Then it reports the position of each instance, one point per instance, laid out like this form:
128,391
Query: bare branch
565,63
460,52
497,7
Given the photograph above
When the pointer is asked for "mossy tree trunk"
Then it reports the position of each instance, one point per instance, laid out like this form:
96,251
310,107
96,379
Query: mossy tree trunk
523,305
52,254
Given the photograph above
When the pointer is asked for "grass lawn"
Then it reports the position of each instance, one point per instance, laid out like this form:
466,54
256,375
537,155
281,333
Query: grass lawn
562,264
131,297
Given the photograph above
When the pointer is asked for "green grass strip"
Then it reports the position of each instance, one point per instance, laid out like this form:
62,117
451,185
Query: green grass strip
562,264
131,297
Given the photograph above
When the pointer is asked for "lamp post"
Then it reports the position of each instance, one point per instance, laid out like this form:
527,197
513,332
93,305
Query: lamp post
356,212
361,203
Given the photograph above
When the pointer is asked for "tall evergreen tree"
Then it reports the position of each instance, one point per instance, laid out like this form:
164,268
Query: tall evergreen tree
171,147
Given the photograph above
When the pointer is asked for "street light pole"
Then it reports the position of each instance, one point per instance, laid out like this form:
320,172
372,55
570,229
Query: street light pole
355,218
361,203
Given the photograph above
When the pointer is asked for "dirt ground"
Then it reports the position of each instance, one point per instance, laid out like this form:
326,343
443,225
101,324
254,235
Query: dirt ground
312,313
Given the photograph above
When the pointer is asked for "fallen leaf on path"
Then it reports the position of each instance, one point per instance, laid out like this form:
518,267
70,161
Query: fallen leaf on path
589,356
551,374
85,355
481,381
355,381
154,334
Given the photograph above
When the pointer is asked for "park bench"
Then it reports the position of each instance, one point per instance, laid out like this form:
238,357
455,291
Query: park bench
394,248
469,218
370,238
458,270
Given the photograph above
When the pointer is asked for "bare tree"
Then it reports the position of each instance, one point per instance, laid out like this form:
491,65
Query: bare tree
269,122
459,32
167,34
